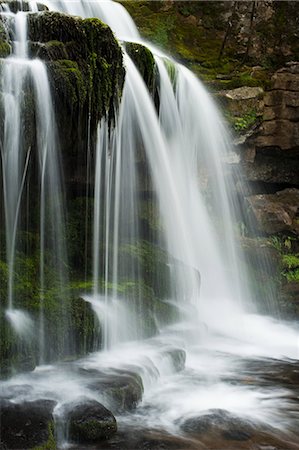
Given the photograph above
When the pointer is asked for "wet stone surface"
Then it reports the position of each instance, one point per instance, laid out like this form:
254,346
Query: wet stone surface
25,425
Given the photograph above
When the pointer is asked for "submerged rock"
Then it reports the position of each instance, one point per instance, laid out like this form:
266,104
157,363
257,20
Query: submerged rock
26,425
90,422
219,422
122,390
176,357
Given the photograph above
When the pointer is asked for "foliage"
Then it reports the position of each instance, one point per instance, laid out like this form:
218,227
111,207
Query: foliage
245,122
291,267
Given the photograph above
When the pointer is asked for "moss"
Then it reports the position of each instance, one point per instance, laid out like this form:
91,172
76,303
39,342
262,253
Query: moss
69,81
51,442
5,49
85,63
52,50
290,264
144,60
247,121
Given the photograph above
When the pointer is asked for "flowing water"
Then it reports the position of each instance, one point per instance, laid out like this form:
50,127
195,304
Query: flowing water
19,74
218,327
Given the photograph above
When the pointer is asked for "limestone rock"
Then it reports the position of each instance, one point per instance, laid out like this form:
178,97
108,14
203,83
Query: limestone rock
276,142
275,213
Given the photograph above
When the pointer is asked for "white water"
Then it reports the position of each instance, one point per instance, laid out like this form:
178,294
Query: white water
16,157
221,328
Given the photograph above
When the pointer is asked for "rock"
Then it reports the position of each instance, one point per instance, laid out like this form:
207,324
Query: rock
22,5
144,60
219,422
177,357
270,168
26,425
89,422
276,142
243,100
122,390
275,213
279,133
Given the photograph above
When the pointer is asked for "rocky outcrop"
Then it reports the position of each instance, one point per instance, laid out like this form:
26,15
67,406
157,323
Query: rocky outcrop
280,128
274,149
270,160
242,100
276,213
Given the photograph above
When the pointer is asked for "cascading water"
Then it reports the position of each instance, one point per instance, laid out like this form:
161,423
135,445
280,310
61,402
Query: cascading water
179,141
18,74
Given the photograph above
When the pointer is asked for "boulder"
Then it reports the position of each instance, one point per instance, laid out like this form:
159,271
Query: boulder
121,390
89,422
218,422
275,213
26,425
177,357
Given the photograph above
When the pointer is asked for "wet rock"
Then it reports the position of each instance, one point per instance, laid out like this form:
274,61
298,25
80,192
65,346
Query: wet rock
276,213
219,422
90,422
26,425
144,60
16,6
177,357
122,390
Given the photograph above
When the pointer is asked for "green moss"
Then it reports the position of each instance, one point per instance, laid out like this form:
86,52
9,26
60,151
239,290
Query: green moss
144,60
51,442
68,79
5,49
290,264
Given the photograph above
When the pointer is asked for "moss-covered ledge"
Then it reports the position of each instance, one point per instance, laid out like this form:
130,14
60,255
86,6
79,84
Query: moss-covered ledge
144,61
84,59
85,66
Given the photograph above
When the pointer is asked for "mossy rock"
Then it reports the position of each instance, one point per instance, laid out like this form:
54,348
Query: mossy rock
5,49
144,60
86,71
27,425
90,422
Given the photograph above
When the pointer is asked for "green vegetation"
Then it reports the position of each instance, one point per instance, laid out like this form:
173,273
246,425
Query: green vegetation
245,122
51,442
207,36
290,264
144,60
84,59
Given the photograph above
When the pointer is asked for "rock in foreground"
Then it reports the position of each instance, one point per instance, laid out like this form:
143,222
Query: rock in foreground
90,422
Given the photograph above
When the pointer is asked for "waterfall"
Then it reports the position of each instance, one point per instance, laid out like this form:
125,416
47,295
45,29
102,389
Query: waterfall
20,73
165,146
182,142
